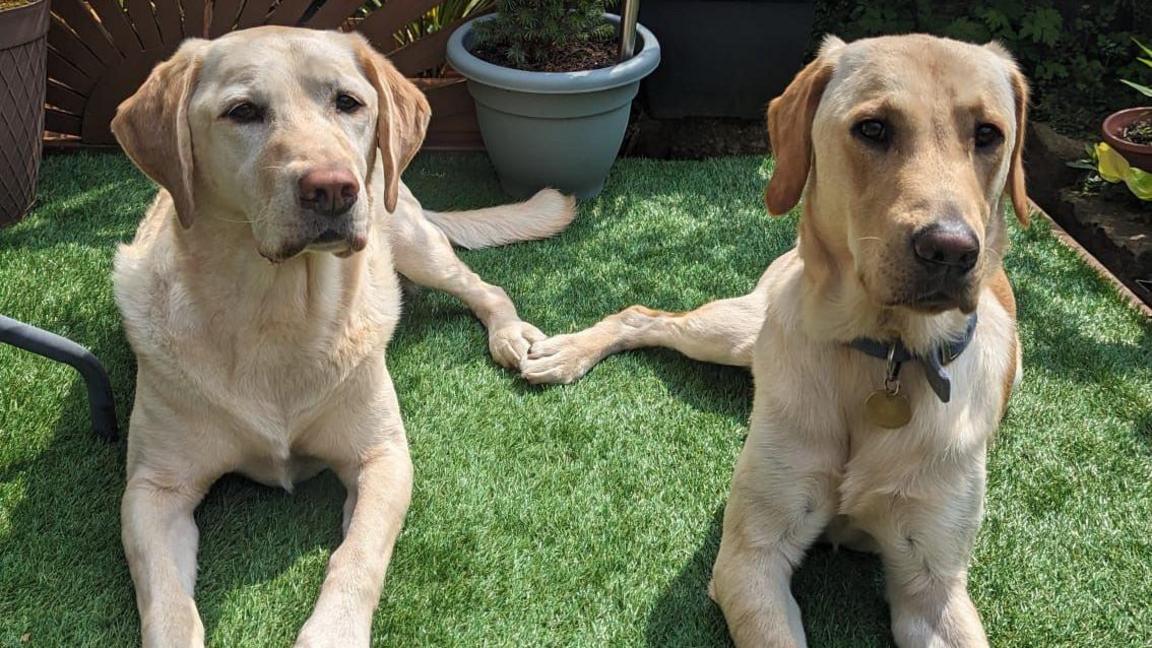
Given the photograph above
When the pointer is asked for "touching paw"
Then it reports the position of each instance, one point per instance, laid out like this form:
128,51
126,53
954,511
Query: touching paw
509,344
558,360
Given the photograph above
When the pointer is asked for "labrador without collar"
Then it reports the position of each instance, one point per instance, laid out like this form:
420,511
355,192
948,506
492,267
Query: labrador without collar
260,293
905,149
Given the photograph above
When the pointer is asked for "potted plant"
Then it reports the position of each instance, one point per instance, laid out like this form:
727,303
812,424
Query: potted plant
1129,132
23,57
552,98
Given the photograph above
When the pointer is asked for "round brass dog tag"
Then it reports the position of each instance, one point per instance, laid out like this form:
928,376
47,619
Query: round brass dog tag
888,410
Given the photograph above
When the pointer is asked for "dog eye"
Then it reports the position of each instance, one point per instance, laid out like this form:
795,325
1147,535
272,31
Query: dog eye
245,112
988,136
347,103
873,130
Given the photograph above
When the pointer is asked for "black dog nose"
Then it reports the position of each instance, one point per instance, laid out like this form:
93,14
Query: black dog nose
328,191
948,243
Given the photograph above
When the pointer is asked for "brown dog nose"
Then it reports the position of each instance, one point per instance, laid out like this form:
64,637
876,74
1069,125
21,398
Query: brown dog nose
329,192
949,243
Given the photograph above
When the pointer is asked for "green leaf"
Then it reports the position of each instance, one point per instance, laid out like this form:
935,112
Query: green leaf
1142,46
1087,165
997,22
1139,183
1142,89
966,29
1048,70
1042,25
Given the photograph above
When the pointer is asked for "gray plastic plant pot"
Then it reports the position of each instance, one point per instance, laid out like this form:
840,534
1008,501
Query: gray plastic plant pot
552,129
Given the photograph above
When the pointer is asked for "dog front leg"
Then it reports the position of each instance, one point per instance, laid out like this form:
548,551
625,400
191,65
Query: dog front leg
723,332
423,254
160,539
783,495
379,490
926,545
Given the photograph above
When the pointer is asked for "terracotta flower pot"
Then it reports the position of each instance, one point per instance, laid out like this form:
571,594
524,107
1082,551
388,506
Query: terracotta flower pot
1138,155
23,57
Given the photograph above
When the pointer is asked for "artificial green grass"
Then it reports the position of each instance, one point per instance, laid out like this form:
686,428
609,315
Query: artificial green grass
580,515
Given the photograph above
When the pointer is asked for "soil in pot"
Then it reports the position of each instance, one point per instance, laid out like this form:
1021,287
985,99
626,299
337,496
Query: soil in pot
575,57
1138,132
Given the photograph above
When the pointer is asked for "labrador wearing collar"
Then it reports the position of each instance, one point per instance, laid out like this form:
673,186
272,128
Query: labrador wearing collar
905,149
260,293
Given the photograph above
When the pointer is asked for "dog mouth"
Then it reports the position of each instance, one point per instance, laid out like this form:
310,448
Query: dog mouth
328,236
933,294
935,302
942,297
337,241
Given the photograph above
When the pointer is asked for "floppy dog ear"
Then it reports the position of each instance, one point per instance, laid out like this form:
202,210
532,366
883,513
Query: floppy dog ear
790,131
402,120
152,126
1017,188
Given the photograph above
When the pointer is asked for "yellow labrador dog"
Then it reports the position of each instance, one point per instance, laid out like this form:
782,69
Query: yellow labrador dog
883,346
260,293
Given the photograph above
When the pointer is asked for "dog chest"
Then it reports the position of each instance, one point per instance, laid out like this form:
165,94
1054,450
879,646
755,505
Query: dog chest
278,470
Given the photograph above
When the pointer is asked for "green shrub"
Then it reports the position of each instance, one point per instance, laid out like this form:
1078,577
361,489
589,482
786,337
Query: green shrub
530,32
1074,52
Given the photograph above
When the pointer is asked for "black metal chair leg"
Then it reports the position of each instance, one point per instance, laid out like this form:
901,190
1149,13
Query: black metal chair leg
61,349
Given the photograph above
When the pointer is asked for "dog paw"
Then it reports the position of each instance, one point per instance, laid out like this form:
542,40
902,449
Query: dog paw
558,360
509,344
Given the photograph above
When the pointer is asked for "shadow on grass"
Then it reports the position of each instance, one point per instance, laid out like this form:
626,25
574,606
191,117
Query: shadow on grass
44,233
66,560
706,387
67,521
1063,346
73,198
1061,339
840,593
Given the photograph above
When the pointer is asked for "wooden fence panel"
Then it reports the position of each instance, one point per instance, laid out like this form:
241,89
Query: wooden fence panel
100,51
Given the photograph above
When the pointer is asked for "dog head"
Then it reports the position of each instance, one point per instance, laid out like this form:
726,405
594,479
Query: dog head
908,146
298,133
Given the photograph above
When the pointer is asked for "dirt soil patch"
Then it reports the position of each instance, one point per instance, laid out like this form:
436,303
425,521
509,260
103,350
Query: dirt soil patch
695,138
